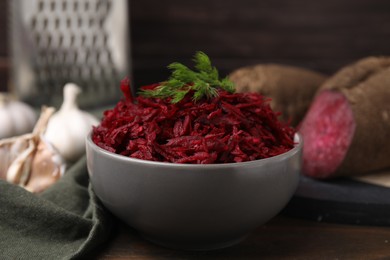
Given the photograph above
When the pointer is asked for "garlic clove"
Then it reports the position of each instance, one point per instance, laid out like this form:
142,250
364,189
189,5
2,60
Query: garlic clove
10,150
19,169
47,167
67,128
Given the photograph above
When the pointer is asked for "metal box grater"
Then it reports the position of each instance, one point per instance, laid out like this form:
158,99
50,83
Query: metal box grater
53,42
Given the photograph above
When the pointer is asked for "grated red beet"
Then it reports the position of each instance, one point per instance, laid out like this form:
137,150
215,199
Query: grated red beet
229,128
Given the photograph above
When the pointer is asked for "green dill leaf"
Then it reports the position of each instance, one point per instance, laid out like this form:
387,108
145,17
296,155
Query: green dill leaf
204,82
212,92
174,83
200,89
179,95
214,74
159,92
228,85
202,62
181,72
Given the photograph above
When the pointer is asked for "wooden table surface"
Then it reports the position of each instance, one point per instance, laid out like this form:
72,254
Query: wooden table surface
281,238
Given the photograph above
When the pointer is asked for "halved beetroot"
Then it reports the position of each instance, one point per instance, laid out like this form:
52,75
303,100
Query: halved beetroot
347,128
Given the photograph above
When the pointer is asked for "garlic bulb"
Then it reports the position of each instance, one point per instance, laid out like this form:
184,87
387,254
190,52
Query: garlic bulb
16,117
69,126
29,161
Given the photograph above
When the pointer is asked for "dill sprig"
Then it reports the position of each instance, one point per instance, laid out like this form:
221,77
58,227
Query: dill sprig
204,82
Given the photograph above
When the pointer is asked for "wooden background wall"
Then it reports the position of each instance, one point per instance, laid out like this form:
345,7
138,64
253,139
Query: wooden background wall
321,35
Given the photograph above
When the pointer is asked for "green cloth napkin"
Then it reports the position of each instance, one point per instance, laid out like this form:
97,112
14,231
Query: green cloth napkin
64,222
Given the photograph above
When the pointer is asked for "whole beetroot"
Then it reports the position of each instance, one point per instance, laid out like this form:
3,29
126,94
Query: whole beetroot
290,88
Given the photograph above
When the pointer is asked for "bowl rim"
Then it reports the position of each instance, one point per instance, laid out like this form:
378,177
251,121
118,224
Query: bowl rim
277,158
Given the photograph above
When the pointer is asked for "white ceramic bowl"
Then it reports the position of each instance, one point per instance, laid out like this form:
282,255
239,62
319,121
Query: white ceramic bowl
195,207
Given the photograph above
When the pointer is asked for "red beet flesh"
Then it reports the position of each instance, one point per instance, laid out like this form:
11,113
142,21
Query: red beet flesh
229,128
327,131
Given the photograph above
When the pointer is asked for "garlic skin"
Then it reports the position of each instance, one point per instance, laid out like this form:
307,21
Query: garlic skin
69,126
47,167
29,161
16,117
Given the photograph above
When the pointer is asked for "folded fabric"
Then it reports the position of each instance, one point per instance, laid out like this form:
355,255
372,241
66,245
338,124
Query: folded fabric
64,222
